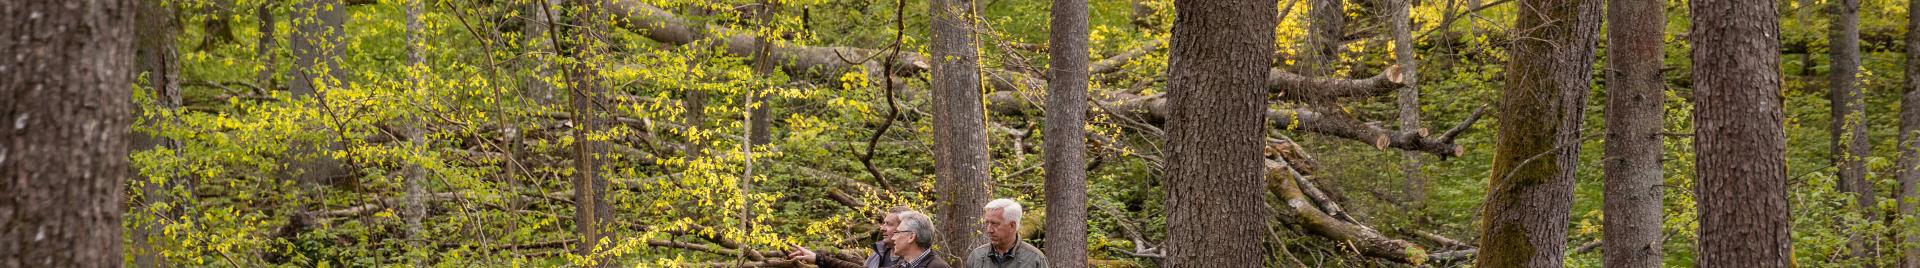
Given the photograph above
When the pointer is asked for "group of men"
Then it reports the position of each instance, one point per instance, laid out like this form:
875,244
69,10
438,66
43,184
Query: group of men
907,238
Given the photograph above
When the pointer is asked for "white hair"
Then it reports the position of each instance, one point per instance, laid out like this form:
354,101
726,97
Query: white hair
1008,209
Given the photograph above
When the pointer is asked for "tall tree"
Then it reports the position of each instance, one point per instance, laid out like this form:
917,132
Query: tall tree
263,51
318,29
1530,194
415,208
1635,114
1066,144
959,126
1739,142
1848,128
1909,166
1409,98
1326,23
1217,61
591,213
63,152
157,58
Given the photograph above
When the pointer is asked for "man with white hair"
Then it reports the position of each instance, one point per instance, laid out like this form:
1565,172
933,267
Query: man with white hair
1005,250
913,242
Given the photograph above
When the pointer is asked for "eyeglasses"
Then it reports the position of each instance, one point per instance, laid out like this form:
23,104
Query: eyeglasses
898,232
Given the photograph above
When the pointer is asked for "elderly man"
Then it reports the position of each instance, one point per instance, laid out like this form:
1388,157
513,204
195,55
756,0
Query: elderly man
882,255
913,243
1005,249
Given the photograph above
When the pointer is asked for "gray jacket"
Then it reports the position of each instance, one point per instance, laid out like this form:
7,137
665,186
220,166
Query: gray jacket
1022,255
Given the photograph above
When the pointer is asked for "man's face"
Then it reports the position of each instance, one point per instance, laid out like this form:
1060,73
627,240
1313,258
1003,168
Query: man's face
889,224
900,239
999,228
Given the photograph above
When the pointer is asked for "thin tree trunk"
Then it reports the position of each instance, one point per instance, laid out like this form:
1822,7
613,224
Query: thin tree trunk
1909,166
590,212
538,89
1215,133
1848,129
158,59
1066,144
416,134
959,127
1326,22
67,105
1740,158
1409,100
1530,194
1635,115
264,51
218,28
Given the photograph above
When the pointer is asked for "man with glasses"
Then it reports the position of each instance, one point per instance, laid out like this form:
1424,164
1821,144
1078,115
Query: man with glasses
882,256
914,242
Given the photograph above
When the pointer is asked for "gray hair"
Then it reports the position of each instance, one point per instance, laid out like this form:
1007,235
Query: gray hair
920,225
1008,209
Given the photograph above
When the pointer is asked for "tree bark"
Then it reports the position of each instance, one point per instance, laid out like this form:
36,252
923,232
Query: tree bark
1215,132
317,49
591,213
63,153
1848,120
1909,165
1741,187
1635,115
1408,100
415,204
263,52
158,59
1066,144
959,127
1326,22
1531,191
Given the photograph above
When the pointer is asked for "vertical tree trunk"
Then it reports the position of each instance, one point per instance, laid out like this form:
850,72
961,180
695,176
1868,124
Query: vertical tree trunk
1635,115
1531,191
590,211
1409,99
218,27
1909,166
1219,54
959,127
158,59
317,49
1326,22
1066,144
264,51
416,134
538,89
1848,129
1740,158
63,151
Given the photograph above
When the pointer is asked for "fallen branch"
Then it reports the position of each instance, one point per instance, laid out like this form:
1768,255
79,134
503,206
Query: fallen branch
1366,240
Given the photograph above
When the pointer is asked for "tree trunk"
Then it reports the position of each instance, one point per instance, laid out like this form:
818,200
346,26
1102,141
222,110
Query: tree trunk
63,152
538,89
591,214
1409,101
1848,129
416,134
317,49
959,127
1741,187
1066,144
158,58
218,26
1909,166
1215,132
1326,20
1531,192
1635,115
264,51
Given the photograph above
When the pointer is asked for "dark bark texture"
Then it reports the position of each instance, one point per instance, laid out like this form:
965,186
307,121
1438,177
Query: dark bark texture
1066,144
1635,114
1220,50
1848,130
1524,219
1740,158
65,98
158,60
959,128
1909,165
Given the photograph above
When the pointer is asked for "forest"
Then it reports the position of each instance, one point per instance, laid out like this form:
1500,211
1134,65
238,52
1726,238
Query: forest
928,133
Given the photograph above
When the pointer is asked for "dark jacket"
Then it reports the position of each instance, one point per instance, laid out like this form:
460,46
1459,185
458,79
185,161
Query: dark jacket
932,260
1022,255
882,257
